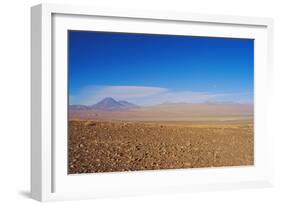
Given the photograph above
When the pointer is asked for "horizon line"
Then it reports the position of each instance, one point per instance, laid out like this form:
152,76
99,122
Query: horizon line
167,102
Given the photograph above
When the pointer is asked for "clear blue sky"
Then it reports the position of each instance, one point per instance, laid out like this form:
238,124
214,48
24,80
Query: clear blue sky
150,69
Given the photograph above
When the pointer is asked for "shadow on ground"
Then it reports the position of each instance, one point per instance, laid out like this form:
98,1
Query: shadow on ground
24,193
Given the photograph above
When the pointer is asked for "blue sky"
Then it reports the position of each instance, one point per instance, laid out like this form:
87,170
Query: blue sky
149,69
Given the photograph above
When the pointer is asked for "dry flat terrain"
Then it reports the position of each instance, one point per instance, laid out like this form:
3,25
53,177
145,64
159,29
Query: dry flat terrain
112,145
170,112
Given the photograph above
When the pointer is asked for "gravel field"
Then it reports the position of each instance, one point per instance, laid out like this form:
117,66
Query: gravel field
113,146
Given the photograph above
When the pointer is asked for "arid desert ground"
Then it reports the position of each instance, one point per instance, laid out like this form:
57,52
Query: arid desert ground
100,144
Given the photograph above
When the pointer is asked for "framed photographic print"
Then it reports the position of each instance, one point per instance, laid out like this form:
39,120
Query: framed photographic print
137,102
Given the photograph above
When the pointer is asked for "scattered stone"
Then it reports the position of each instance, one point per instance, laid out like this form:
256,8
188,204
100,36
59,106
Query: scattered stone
90,123
109,147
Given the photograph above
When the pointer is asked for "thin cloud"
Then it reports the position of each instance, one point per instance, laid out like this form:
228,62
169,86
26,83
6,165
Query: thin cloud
143,95
130,91
91,94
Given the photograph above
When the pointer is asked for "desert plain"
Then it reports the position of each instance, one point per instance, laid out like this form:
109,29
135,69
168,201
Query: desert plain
166,137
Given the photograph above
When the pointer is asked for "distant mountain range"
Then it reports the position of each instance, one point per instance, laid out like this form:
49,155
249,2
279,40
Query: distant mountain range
107,104
112,109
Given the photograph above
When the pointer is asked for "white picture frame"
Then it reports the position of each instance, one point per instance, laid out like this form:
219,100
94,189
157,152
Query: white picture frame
49,178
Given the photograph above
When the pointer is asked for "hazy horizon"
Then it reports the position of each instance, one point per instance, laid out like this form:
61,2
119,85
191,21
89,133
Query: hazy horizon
169,102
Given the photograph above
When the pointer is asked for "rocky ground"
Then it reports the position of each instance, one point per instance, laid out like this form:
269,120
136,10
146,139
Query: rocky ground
114,146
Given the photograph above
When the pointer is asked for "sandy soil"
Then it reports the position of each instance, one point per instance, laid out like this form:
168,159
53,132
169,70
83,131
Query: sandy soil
112,146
